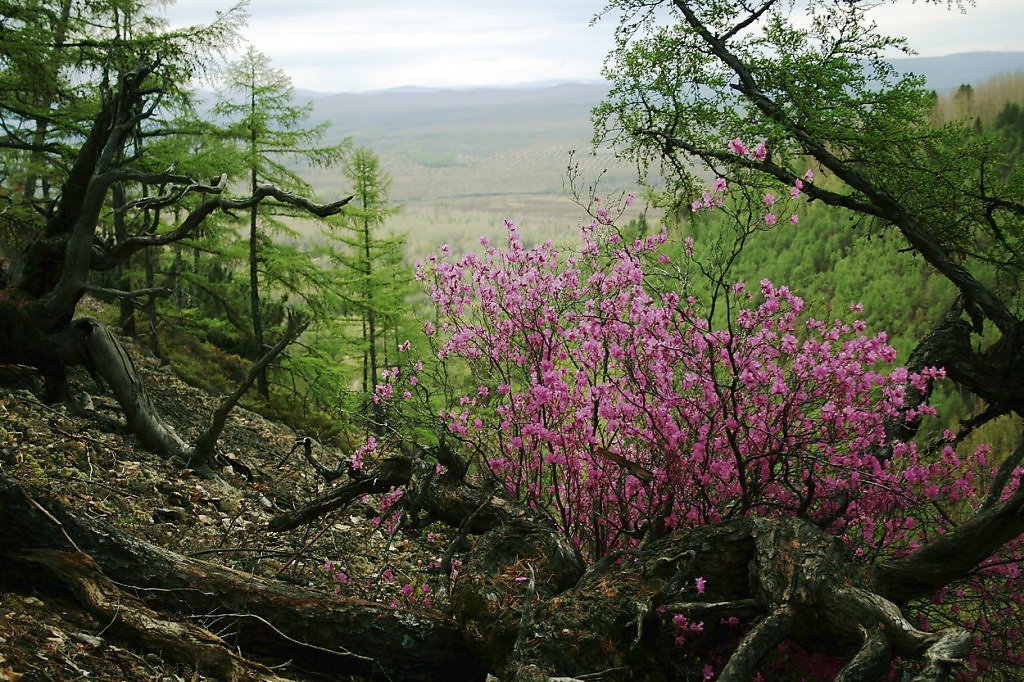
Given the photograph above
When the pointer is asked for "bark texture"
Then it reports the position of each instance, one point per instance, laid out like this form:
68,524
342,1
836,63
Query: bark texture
530,610
270,621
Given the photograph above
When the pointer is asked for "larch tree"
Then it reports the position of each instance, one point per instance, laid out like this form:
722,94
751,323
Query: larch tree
259,104
56,242
373,262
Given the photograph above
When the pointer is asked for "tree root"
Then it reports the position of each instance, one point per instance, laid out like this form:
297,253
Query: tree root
128,618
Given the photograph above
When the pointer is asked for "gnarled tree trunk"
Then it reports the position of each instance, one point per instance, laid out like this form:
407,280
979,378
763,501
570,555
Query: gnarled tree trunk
530,610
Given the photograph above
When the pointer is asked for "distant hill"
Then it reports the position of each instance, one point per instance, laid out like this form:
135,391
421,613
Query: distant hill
954,70
462,160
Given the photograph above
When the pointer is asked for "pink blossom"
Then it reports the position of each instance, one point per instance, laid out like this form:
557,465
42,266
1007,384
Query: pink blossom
593,362
736,146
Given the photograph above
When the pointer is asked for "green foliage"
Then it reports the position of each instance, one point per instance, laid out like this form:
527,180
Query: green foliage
58,59
374,276
821,89
266,128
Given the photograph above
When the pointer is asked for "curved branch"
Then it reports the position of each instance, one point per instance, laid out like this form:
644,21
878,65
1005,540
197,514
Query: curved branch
757,644
385,475
780,173
181,185
124,250
886,205
330,475
203,449
872,661
954,555
133,295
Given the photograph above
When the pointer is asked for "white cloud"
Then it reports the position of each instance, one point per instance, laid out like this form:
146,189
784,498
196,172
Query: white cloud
352,45
935,29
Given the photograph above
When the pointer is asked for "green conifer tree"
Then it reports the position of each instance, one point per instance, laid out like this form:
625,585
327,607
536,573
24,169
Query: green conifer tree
376,277
269,127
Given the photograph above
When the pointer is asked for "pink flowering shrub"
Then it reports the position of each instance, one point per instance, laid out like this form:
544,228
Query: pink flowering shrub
617,408
620,410
613,403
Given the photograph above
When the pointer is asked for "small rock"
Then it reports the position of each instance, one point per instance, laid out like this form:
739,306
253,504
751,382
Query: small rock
229,505
84,402
176,498
170,514
86,638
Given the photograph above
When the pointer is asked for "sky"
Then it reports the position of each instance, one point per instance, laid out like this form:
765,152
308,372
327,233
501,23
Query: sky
366,45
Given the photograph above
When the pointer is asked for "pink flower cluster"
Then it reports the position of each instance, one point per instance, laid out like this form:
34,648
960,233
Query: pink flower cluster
715,198
619,409
610,405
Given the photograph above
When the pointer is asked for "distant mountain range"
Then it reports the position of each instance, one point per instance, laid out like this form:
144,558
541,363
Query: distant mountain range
478,155
954,70
944,72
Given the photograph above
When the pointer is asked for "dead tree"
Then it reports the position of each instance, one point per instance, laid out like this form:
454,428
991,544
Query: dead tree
38,306
46,546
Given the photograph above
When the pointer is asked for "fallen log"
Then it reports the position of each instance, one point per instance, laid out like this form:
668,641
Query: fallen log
269,621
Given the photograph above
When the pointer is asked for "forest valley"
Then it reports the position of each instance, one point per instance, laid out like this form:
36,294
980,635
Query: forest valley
616,461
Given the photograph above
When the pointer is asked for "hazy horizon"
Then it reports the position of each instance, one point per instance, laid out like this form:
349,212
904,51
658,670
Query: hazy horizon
363,46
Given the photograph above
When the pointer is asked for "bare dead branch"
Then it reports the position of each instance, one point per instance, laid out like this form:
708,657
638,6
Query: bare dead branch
202,451
124,250
127,295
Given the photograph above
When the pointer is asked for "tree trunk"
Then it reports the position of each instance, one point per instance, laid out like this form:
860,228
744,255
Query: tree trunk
254,296
270,621
529,610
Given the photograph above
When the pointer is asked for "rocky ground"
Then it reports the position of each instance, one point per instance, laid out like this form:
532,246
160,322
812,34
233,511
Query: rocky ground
87,461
